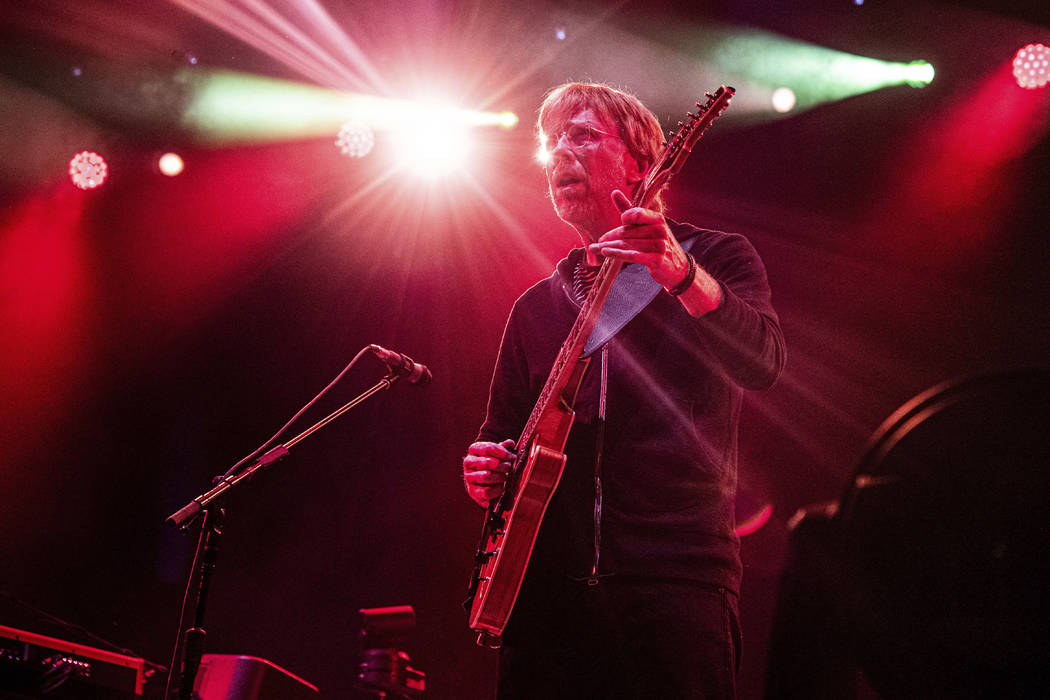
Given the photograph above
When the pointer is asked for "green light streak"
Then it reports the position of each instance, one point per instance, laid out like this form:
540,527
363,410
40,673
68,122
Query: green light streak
228,106
755,60
816,74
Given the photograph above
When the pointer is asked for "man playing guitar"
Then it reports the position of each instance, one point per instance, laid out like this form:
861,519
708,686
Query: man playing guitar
632,586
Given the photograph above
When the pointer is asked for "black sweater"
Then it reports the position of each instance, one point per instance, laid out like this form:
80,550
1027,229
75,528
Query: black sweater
666,480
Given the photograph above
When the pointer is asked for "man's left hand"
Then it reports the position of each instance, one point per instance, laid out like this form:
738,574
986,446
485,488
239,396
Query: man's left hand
644,238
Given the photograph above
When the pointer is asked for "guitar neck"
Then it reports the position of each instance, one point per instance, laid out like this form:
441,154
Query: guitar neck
570,351
572,348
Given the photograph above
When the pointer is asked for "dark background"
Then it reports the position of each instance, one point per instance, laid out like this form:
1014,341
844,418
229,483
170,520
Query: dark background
156,330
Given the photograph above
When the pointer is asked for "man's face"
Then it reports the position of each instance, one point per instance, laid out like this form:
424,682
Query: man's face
582,177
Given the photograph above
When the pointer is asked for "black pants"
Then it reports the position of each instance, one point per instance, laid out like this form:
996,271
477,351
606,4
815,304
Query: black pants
622,638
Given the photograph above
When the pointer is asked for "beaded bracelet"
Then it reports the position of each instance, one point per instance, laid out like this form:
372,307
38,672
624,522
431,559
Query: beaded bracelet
687,281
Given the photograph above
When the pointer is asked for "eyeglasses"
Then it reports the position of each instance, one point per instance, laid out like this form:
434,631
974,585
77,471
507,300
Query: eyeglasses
581,135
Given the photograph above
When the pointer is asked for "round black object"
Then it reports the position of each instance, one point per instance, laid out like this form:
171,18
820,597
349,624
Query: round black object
946,537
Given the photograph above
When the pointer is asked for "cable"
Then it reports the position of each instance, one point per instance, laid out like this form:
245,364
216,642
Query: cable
304,409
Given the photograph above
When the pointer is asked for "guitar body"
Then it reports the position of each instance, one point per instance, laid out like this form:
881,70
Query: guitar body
507,548
513,522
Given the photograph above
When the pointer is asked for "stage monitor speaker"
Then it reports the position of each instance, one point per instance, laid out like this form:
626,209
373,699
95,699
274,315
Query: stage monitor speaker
232,677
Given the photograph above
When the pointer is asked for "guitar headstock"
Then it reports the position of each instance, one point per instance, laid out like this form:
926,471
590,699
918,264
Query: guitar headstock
690,132
681,143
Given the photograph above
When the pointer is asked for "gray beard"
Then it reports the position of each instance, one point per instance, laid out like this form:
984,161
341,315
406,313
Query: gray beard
581,214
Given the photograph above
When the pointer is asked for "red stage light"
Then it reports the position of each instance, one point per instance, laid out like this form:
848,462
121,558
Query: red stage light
1032,66
88,170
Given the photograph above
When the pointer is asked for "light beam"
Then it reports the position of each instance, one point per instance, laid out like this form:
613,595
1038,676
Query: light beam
225,106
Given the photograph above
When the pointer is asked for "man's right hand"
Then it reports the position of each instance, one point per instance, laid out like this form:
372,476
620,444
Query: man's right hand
485,470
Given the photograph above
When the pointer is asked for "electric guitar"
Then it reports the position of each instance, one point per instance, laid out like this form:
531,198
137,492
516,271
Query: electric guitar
513,521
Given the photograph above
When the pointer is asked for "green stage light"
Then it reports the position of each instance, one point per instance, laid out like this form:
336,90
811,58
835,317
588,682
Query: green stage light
918,73
224,106
815,74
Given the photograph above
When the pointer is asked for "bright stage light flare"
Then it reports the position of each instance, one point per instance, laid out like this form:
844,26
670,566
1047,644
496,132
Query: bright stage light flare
356,139
783,99
871,72
228,107
1032,66
433,150
917,73
88,170
171,164
543,156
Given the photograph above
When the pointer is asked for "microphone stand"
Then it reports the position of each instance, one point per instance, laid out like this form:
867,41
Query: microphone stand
207,506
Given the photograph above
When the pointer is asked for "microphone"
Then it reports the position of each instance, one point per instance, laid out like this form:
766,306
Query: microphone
403,365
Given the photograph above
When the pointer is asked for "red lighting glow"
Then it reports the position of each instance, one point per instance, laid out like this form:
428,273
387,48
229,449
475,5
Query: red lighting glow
47,309
755,522
1032,66
956,180
88,170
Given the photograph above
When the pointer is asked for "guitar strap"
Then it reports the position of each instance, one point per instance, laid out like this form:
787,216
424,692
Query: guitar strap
633,290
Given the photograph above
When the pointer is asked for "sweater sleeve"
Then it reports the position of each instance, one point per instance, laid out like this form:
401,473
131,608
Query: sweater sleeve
743,333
